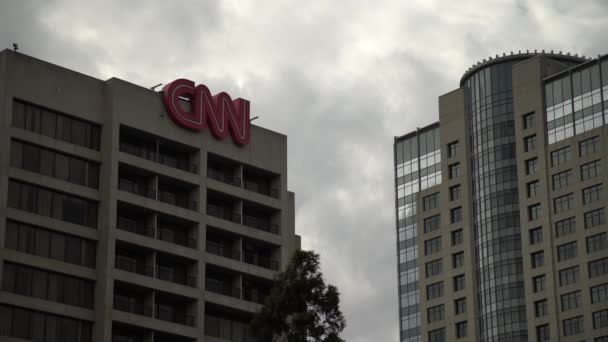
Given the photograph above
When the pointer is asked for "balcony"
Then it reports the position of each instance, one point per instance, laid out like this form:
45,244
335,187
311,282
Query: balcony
158,150
134,265
133,299
178,198
227,327
255,290
223,170
175,309
223,212
175,235
136,185
222,281
261,261
223,244
175,270
261,181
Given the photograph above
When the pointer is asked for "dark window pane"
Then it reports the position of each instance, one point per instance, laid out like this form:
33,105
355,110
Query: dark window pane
8,277
74,210
43,238
62,167
16,154
73,250
49,123
31,158
6,314
21,324
18,114
93,175
77,171
57,247
47,163
79,133
39,284
11,240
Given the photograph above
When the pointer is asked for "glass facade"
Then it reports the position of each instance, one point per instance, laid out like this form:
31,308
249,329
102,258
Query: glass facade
576,102
417,167
502,309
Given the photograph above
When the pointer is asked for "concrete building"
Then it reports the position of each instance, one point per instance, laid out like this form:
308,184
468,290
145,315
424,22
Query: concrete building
512,240
117,224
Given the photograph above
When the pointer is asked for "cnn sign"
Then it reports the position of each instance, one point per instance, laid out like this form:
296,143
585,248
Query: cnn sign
219,112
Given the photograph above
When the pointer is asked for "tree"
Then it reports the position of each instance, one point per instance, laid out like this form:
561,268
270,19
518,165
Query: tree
301,307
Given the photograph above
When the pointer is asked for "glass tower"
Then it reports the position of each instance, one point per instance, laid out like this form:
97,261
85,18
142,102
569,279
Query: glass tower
417,167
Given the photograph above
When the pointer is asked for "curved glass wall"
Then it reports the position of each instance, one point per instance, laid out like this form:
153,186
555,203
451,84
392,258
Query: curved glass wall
502,307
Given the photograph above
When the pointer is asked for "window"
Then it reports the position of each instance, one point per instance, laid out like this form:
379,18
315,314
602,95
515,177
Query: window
432,223
459,282
452,149
530,143
563,203
591,170
54,164
536,235
529,120
571,300
456,215
430,201
540,308
599,294
598,268
437,335
434,291
29,325
55,125
595,218
565,227
461,329
534,212
566,251
573,326
531,166
457,237
543,333
538,259
47,285
600,319
592,194
458,259
568,276
561,156
589,146
433,268
454,170
538,283
460,306
432,246
455,192
435,313
597,243
562,179
53,204
533,188
44,243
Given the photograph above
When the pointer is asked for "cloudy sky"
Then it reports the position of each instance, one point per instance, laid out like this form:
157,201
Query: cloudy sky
340,78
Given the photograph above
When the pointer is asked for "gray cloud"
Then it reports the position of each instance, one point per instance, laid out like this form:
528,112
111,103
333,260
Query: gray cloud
339,78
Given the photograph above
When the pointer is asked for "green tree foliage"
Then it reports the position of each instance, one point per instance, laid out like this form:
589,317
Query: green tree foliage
301,306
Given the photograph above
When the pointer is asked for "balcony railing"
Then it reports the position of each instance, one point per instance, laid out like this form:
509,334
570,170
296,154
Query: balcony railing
124,304
174,317
164,273
163,234
223,177
136,228
261,189
222,287
228,330
129,186
160,158
254,295
177,238
261,224
222,250
223,213
179,201
129,265
258,260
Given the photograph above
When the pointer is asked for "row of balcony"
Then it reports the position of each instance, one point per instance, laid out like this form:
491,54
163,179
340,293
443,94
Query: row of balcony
183,157
174,273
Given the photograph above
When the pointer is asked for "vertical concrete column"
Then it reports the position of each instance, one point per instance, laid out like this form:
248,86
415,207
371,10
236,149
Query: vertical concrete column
6,105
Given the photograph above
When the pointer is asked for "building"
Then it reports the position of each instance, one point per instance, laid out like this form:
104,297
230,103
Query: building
501,219
118,222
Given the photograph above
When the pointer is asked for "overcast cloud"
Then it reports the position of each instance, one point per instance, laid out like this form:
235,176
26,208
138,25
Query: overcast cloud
340,78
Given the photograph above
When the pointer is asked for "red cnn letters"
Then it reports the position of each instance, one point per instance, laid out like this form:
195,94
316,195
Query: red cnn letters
219,112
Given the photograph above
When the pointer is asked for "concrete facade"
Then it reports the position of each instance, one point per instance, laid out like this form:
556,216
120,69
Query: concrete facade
188,234
534,260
